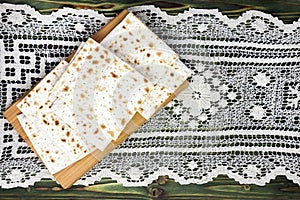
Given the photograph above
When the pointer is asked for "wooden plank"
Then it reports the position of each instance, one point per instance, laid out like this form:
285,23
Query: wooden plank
70,174
288,10
221,187
163,188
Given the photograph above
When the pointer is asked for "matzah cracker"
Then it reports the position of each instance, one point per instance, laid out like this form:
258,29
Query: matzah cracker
133,42
100,89
36,107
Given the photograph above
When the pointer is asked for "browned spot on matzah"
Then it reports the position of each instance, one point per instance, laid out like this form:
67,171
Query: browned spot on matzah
79,58
120,96
114,75
82,95
111,133
90,117
40,107
66,89
78,145
105,51
123,121
83,76
91,41
29,95
151,44
145,80
96,131
68,134
126,67
35,103
102,126
111,109
129,112
63,128
47,151
148,55
139,102
95,62
130,34
37,90
78,69
48,81
124,27
45,122
74,64
158,53
34,135
63,139
84,49
172,74
52,160
72,140
102,56
90,70
97,49
147,89
137,40
89,57
56,122
128,21
125,39
107,60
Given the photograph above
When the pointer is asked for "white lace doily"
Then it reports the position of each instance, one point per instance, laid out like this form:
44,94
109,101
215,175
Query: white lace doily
240,115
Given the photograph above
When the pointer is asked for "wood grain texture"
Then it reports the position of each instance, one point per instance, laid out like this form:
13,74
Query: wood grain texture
288,10
163,188
221,187
67,176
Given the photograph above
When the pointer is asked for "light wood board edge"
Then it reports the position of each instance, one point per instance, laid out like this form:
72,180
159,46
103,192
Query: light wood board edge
72,173
69,175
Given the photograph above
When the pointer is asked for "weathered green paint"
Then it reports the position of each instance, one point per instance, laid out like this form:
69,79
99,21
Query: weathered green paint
220,188
288,10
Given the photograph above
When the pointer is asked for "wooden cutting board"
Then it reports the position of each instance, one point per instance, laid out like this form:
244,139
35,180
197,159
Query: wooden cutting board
72,173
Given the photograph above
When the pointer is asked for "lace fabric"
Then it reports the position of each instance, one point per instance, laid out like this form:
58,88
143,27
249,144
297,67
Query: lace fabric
239,116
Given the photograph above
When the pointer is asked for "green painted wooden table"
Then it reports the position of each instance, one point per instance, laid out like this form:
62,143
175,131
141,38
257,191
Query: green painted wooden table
221,187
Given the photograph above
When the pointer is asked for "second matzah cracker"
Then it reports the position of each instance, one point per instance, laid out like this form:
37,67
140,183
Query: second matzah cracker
45,130
133,42
101,91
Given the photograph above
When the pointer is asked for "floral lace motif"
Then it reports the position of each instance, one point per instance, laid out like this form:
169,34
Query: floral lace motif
239,116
